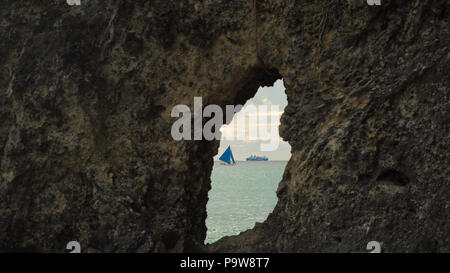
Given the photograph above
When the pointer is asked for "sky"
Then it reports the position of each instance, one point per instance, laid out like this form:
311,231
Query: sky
266,98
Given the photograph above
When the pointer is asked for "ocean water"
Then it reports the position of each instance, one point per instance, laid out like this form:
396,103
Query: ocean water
240,196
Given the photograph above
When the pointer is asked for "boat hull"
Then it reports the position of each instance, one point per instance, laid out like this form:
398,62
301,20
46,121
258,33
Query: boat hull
257,159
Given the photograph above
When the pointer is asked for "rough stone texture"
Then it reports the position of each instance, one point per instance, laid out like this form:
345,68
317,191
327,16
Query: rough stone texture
86,95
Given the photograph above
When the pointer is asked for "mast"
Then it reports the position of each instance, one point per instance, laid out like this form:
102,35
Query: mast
231,154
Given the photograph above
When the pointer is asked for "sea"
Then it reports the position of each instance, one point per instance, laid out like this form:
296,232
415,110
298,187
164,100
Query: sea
241,195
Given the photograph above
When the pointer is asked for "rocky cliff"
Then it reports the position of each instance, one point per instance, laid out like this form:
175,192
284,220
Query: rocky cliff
86,94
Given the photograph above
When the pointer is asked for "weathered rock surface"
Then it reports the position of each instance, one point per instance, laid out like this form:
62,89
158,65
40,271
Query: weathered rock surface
86,95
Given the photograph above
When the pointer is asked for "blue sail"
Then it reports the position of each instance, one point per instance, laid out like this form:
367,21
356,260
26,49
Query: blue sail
227,156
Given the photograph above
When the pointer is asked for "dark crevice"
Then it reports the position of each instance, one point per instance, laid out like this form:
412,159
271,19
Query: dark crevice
393,177
257,77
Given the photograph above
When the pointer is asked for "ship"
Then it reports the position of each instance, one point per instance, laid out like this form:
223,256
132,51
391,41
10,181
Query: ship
227,157
257,158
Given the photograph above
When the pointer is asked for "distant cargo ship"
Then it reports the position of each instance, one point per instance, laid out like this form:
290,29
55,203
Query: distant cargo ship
257,158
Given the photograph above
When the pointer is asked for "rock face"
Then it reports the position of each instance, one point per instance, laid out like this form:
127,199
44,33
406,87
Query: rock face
86,94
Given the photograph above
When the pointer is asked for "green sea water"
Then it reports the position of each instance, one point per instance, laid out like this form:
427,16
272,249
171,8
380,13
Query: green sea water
240,196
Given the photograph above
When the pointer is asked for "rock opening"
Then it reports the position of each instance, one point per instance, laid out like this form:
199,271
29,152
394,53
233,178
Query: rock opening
244,193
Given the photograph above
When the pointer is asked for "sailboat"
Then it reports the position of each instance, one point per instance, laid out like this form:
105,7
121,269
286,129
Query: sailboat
227,157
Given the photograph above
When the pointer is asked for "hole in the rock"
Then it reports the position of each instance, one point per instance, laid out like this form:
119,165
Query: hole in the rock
244,193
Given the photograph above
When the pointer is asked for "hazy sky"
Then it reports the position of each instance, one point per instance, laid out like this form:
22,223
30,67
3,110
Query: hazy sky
251,146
